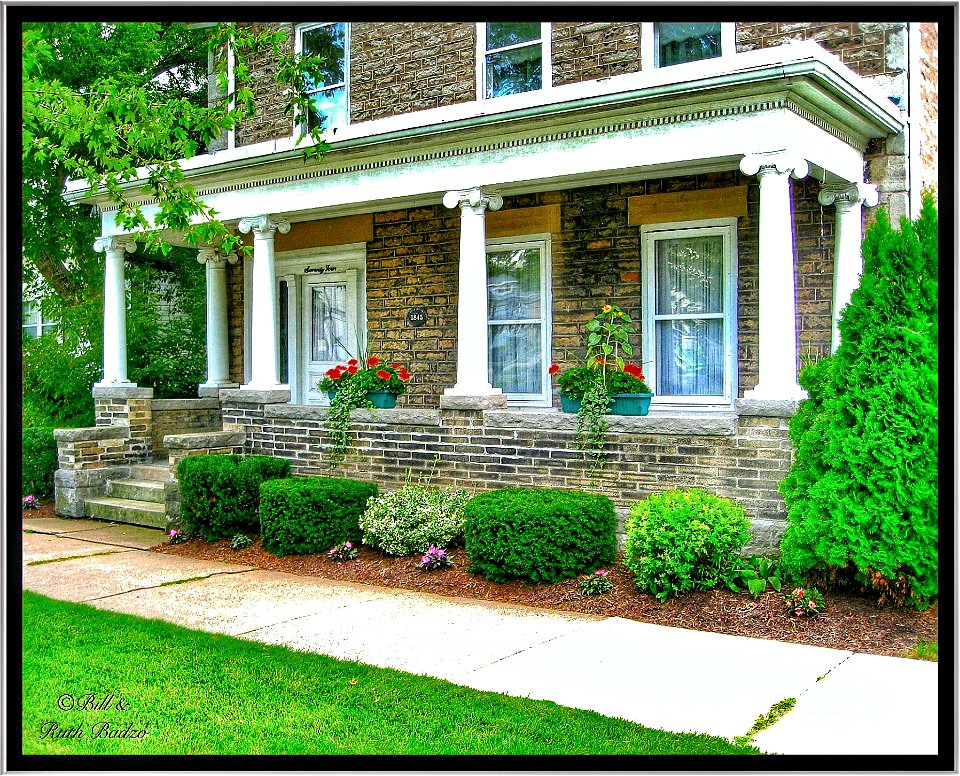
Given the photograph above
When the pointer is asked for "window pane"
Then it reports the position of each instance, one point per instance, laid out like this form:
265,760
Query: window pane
689,275
47,328
690,358
328,336
327,42
514,71
513,285
501,34
328,108
515,359
284,333
682,42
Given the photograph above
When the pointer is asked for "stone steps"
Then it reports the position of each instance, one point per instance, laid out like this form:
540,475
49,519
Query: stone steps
125,510
136,490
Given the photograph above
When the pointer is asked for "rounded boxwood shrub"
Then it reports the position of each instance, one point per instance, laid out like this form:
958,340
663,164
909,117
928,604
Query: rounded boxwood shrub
220,494
684,540
39,461
539,534
304,515
413,518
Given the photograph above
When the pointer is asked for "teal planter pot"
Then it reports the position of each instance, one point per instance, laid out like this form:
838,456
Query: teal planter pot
630,403
383,400
623,403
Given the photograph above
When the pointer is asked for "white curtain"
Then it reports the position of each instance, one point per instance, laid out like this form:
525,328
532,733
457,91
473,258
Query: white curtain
515,310
690,322
328,336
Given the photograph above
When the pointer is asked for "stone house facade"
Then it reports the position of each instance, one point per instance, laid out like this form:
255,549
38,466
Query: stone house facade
712,180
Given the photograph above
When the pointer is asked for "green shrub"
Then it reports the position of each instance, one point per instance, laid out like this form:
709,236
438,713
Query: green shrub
539,534
684,540
39,461
862,493
304,515
220,494
413,518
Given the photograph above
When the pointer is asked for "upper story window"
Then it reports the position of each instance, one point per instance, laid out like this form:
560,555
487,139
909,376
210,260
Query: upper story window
34,324
515,57
679,42
328,96
689,310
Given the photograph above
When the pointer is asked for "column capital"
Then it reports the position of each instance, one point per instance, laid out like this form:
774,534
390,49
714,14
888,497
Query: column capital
846,195
264,226
782,162
473,198
215,257
116,244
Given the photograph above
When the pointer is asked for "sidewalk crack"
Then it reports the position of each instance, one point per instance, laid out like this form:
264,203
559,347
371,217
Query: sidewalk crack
168,584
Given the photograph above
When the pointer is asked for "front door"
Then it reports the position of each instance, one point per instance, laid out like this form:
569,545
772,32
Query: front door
330,327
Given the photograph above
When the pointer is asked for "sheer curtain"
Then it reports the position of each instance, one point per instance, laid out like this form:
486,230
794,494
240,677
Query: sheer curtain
328,335
515,309
689,316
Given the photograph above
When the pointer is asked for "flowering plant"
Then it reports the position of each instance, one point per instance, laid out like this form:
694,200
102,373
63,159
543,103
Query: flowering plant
372,377
177,537
342,552
435,558
596,583
31,502
802,602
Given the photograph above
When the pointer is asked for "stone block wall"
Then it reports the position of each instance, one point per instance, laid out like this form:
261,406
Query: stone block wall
741,457
399,67
584,51
182,416
270,121
930,106
132,408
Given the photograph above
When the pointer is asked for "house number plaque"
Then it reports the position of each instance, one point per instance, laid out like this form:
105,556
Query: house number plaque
417,316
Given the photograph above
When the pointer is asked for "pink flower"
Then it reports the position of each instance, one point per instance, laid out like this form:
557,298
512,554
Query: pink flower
812,604
600,572
798,611
797,592
348,545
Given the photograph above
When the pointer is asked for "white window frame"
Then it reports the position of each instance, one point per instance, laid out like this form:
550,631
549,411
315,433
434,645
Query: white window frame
544,243
545,60
301,122
727,228
40,324
649,51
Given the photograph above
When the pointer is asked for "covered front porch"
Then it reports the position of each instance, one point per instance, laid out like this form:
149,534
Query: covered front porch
400,220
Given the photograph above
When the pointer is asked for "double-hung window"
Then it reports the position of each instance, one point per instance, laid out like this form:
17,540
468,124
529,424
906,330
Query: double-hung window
34,324
329,105
518,308
515,57
689,311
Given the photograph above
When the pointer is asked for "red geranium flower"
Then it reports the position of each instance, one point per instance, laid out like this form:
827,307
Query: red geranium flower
395,366
404,374
634,370
352,369
554,368
383,374
373,361
333,374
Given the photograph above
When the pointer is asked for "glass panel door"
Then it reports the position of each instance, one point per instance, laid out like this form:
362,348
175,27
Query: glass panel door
329,330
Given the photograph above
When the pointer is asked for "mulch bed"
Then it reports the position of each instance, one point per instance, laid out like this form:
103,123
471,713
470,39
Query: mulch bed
850,622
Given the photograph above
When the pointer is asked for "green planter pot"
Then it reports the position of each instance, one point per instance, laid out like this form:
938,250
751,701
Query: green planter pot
383,400
630,403
623,403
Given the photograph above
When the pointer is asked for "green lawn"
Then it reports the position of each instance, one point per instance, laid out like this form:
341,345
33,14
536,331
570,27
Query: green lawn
199,693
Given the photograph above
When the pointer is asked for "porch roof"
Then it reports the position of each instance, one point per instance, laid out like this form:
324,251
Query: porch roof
693,118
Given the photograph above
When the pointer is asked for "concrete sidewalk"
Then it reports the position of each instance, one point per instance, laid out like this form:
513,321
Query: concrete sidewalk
667,678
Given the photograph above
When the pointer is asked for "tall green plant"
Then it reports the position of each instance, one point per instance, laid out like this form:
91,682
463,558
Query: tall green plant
862,491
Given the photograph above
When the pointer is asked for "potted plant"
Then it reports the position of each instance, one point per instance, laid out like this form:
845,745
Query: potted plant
606,384
349,387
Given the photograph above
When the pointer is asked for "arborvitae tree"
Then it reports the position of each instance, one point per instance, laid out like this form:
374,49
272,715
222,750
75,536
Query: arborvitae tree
861,494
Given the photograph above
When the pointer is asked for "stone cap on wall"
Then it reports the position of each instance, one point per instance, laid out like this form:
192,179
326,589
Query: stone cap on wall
249,396
118,392
203,439
767,408
91,432
185,404
712,424
393,417
489,402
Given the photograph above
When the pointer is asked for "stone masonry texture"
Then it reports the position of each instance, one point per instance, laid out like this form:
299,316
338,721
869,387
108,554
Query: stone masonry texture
583,51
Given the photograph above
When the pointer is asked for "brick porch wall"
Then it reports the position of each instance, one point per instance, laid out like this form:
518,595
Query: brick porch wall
742,457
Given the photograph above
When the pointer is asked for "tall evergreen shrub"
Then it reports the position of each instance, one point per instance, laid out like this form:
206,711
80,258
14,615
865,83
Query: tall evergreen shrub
861,494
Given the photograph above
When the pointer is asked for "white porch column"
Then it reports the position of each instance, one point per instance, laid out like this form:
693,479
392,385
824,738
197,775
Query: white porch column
472,349
218,350
849,199
777,284
265,366
114,311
